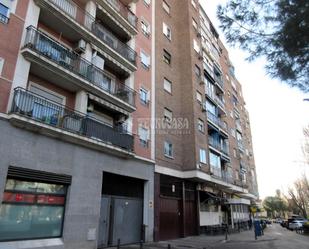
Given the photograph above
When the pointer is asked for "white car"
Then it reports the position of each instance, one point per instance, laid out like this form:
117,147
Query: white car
296,224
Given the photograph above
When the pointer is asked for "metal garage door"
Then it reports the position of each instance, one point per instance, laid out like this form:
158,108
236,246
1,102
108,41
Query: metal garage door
121,218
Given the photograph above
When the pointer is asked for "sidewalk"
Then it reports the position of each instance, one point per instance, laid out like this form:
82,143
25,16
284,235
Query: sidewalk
198,242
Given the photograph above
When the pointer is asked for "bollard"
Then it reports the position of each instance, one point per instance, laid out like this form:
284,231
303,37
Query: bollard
118,244
169,246
226,228
141,244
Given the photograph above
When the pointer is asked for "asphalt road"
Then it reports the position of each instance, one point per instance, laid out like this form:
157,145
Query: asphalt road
275,237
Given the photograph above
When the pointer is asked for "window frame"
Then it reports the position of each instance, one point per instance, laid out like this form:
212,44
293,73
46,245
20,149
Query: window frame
171,149
168,8
201,125
202,156
165,80
146,93
167,31
167,57
142,52
36,203
146,24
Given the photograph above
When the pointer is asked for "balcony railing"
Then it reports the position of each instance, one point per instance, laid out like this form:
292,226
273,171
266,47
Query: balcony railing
31,105
56,52
88,21
215,143
216,120
124,11
219,102
4,19
217,172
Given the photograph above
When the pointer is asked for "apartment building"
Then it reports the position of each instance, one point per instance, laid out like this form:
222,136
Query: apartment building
76,164
120,121
205,172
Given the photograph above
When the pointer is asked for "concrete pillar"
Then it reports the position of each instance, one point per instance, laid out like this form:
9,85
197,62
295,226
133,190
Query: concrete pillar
22,69
81,101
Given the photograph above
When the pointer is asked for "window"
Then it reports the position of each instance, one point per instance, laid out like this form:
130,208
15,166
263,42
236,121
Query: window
197,71
215,164
194,23
145,28
211,108
4,11
193,3
167,85
31,210
167,57
43,111
200,125
144,96
235,153
1,65
167,31
143,136
147,2
199,97
145,60
168,115
196,46
203,156
168,149
166,7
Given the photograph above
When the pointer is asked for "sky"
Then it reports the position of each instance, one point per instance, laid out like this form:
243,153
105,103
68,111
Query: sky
278,115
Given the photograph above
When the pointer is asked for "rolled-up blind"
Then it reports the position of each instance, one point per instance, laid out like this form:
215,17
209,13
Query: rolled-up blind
37,175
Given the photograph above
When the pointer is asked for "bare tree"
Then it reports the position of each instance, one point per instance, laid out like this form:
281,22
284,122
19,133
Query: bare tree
299,194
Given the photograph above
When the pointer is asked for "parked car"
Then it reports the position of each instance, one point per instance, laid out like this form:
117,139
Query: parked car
296,224
284,223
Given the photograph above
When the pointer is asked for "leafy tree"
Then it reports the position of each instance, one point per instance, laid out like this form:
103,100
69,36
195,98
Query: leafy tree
275,205
276,29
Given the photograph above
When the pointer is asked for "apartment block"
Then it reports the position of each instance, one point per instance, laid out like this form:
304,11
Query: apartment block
75,81
120,121
205,174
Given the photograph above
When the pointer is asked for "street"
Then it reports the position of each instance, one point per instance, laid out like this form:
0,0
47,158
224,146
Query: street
275,237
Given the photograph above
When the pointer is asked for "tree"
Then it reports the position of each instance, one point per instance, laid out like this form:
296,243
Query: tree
300,195
305,146
275,29
275,205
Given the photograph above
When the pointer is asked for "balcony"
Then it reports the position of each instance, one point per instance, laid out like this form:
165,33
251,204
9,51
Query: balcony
219,102
215,120
63,65
37,110
119,14
221,147
75,24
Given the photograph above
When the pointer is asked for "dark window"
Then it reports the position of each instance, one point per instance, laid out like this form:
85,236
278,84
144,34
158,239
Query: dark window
167,57
197,71
32,210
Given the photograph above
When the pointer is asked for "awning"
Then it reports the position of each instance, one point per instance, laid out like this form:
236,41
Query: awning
107,104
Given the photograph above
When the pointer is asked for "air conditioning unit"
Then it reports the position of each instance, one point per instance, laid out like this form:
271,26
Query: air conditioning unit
81,46
90,108
121,120
204,109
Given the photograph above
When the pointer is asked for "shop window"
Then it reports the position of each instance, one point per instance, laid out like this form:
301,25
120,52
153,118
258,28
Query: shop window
32,210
